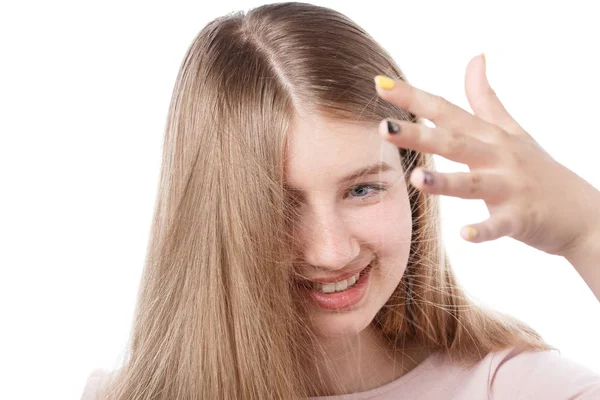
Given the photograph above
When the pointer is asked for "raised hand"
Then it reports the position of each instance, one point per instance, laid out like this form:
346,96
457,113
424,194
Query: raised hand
529,195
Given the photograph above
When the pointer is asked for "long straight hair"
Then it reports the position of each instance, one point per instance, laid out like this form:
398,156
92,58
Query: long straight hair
215,316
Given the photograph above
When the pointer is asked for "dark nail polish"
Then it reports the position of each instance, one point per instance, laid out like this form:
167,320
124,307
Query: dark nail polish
427,178
393,127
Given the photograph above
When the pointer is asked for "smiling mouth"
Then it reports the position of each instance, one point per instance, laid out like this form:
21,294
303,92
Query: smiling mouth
334,287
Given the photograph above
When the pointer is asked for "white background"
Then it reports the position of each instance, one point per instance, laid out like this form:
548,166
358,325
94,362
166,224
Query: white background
84,94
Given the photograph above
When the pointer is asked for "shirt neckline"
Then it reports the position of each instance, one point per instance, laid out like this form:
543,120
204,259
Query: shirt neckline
385,388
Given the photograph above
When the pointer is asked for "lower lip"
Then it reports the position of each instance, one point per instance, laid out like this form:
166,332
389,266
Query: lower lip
345,299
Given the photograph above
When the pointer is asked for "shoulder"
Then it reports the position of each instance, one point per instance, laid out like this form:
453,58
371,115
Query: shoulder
95,381
517,374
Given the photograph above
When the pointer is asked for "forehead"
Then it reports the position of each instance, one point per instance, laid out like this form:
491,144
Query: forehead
324,149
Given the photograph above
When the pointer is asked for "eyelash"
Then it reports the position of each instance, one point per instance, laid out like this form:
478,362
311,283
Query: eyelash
377,189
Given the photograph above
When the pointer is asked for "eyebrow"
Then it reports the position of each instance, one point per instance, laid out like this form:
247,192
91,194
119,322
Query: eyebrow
371,169
368,170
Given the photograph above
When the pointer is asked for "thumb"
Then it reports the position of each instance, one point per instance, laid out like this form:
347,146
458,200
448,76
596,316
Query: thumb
483,99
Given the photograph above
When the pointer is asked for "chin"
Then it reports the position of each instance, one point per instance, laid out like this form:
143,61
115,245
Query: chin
339,324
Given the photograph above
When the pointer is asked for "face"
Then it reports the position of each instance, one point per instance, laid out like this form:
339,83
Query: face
344,226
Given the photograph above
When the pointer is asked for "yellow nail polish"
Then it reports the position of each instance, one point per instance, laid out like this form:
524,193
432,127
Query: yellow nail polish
470,232
384,82
484,61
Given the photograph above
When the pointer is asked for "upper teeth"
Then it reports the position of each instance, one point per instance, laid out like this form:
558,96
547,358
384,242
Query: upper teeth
336,286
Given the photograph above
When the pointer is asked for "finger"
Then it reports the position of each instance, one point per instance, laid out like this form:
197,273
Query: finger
452,145
483,99
477,184
495,227
434,108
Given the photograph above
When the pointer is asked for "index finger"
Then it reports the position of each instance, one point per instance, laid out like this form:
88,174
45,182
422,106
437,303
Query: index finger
432,107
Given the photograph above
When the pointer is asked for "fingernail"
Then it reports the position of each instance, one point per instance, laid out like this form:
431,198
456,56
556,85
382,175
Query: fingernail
485,68
393,127
384,82
427,178
469,233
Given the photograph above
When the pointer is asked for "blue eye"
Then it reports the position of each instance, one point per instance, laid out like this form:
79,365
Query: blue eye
375,189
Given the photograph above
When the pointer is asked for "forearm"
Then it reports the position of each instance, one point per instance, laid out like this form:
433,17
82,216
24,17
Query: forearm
586,260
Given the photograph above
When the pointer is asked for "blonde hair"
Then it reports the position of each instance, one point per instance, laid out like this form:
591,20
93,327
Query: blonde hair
215,315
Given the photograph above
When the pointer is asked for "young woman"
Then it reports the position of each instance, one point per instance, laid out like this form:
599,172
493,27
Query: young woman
296,249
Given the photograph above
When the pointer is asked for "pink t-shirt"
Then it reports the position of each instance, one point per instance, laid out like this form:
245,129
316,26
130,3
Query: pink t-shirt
502,375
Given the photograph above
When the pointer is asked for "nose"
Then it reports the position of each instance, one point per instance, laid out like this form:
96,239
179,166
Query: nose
327,241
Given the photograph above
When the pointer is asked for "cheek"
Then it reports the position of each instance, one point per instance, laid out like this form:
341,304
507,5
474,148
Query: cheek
387,226
394,233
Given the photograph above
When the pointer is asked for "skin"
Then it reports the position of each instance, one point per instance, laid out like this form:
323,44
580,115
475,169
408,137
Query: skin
508,169
344,227
522,186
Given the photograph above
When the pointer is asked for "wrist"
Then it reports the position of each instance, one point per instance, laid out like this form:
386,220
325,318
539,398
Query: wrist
588,247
